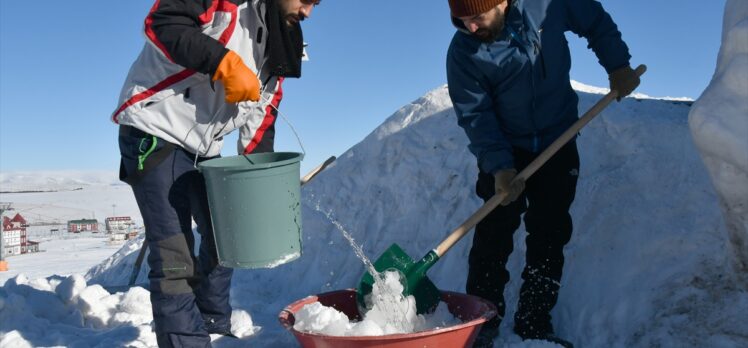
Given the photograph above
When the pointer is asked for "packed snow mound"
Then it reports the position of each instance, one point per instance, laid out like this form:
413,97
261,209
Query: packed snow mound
581,87
68,312
115,271
645,266
719,123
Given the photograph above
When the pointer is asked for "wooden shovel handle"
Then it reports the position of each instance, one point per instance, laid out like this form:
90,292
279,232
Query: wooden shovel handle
492,203
316,171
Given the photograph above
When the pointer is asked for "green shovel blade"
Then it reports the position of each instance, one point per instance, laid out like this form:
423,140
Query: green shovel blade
416,282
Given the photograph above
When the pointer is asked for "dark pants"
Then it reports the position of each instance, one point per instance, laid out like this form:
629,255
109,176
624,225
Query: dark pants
545,204
189,295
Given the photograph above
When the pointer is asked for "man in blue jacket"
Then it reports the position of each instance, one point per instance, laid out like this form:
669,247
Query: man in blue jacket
508,73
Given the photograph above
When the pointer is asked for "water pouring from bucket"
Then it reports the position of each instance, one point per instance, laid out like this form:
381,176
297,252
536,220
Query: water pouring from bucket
386,305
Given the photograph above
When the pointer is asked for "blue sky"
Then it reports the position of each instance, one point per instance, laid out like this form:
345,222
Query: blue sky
62,64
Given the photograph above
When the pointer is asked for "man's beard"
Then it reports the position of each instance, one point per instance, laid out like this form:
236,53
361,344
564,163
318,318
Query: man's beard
491,33
293,19
291,16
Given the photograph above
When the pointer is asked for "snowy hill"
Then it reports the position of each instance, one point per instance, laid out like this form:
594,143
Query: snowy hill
54,181
54,197
647,251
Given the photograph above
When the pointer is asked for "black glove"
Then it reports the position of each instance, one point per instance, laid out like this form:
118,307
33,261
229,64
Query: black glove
624,80
504,182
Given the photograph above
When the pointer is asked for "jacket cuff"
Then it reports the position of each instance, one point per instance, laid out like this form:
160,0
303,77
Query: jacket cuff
613,67
492,162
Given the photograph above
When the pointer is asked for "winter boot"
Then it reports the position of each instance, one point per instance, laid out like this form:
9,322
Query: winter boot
555,339
214,328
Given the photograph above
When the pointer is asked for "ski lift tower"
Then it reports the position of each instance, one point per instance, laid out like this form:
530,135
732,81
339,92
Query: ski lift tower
3,264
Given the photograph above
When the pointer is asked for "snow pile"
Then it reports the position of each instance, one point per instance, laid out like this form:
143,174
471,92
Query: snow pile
390,315
113,269
719,123
68,312
645,266
581,87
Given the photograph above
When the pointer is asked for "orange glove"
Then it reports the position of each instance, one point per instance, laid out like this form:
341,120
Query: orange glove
239,82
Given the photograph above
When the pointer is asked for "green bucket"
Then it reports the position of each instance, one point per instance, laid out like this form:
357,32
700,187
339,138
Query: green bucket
255,208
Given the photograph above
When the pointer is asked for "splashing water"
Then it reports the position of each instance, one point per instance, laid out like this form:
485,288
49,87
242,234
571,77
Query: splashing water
386,302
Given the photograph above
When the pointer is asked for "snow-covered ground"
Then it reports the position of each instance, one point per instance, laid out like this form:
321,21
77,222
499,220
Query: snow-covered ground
648,264
61,257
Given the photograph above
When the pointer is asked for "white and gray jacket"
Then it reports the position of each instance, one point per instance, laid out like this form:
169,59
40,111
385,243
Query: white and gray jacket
168,91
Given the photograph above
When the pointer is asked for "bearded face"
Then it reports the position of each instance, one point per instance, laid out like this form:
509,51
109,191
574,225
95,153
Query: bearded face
492,31
296,11
486,26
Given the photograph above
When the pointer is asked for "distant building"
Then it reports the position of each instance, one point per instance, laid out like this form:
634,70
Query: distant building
133,234
77,226
117,237
120,236
19,221
118,224
14,236
30,247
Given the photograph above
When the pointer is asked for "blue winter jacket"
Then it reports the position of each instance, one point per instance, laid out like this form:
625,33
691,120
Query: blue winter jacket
515,91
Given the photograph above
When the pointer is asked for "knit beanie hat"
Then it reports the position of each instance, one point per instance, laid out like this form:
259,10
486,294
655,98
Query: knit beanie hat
464,8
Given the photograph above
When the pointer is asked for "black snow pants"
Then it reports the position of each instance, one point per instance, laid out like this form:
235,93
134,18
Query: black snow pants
545,203
189,295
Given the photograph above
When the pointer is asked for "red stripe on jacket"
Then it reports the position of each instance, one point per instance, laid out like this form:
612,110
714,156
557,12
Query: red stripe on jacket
153,90
224,38
268,120
205,17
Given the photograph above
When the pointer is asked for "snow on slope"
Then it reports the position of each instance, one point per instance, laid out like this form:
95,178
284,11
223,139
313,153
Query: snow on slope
645,266
719,123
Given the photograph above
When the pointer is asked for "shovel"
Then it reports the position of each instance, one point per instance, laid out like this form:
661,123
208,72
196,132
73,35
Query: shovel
413,274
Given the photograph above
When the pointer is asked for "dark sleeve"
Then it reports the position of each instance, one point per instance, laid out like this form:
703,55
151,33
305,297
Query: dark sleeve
474,107
174,27
588,19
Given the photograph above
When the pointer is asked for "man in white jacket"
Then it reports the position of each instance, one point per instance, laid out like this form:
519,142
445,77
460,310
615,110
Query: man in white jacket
208,67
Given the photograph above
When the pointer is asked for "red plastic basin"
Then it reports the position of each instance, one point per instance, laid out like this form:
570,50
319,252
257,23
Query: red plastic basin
472,310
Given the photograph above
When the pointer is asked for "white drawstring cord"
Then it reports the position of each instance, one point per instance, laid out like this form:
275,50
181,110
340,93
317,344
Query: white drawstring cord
208,131
211,127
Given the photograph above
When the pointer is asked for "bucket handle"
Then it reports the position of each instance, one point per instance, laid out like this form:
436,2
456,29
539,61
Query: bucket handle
293,129
212,125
